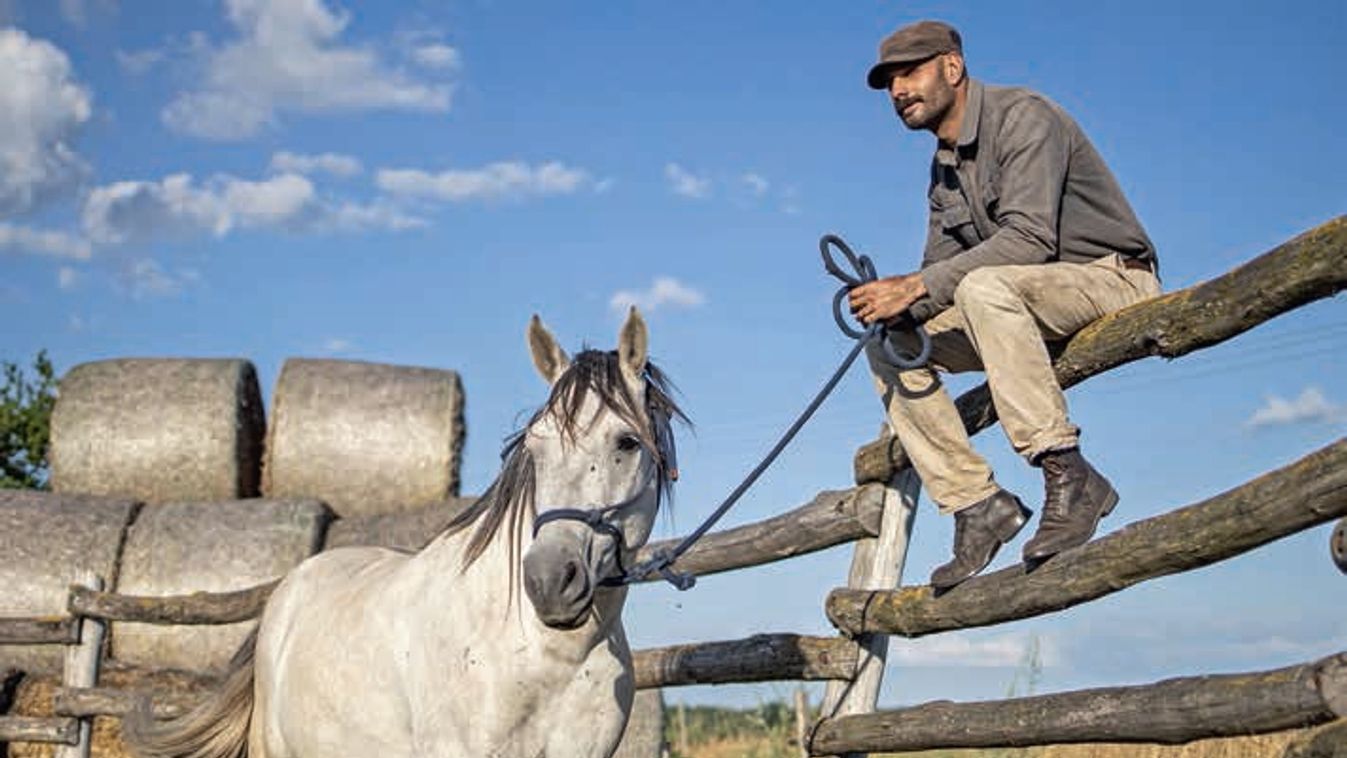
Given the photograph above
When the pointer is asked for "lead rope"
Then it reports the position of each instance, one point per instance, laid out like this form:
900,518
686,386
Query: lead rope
662,560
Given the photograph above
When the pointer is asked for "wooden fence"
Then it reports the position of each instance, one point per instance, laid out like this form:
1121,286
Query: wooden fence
83,640
877,515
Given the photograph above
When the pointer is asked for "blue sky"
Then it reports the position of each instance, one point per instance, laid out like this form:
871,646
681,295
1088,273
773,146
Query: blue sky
408,182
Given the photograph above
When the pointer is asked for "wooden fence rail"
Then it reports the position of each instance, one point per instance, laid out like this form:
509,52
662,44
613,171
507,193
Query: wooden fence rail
59,731
82,702
831,518
39,631
1308,268
1304,494
201,608
1172,711
762,657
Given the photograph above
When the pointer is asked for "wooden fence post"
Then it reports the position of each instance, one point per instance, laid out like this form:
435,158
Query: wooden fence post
81,666
877,563
802,720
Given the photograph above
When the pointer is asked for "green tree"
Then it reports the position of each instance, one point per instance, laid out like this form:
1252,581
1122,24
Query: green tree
25,423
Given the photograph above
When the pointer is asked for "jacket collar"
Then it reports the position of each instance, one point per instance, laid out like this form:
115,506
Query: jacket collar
968,130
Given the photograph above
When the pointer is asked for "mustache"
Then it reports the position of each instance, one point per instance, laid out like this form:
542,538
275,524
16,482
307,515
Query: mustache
900,103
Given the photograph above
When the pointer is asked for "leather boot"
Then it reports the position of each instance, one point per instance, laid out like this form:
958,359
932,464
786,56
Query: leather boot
1076,498
979,531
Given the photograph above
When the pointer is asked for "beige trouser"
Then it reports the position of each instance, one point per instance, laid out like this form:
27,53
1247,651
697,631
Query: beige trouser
999,322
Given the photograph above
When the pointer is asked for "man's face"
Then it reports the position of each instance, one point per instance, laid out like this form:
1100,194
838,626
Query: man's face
921,93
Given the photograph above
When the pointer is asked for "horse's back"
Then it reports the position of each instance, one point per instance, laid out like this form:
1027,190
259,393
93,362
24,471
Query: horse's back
325,660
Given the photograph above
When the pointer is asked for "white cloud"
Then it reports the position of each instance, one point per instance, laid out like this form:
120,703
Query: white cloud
52,244
41,109
756,184
685,183
504,180
666,290
960,649
337,345
1310,407
129,210
288,57
437,55
139,61
178,205
277,202
145,278
354,217
331,163
67,278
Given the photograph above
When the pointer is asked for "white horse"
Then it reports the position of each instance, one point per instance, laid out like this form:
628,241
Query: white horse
372,652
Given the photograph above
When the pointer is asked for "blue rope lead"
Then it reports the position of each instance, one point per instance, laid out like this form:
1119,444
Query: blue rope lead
662,561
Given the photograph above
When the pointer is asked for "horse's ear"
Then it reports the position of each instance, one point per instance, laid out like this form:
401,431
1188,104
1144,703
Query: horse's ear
633,342
548,356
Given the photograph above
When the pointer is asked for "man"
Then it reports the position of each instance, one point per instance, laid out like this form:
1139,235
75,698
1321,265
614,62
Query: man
1029,239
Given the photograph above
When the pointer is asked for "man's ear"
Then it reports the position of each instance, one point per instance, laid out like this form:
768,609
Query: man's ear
953,68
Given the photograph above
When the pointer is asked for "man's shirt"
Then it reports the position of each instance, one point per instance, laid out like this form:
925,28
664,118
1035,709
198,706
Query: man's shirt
1022,186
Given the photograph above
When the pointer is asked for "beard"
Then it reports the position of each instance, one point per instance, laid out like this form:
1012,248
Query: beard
926,110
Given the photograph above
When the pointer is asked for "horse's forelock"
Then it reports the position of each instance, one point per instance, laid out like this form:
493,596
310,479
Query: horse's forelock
510,499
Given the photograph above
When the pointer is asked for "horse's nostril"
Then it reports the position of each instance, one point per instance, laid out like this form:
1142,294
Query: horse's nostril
575,585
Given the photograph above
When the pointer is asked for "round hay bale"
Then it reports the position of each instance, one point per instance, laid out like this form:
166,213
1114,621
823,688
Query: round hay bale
408,531
365,438
46,541
158,429
180,548
644,737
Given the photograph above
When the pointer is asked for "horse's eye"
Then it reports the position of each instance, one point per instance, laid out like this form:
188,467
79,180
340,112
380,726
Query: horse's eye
628,443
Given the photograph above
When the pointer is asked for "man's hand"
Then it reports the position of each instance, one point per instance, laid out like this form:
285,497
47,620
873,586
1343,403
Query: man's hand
886,299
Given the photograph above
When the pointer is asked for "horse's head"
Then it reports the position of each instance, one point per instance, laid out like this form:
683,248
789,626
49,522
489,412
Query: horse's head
602,458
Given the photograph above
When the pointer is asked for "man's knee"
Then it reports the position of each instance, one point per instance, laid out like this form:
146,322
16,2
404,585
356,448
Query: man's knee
983,286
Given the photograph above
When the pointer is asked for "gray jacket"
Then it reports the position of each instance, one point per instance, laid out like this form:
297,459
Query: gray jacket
1023,186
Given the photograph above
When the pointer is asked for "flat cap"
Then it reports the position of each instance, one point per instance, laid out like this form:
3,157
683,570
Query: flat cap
912,43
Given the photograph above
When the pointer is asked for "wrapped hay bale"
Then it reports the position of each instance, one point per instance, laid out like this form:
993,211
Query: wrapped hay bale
181,548
365,438
46,541
408,531
158,429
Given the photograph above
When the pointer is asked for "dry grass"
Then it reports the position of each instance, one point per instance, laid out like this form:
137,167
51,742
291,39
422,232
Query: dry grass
34,698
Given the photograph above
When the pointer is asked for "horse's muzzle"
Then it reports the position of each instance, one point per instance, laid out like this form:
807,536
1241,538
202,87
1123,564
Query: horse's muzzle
559,583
